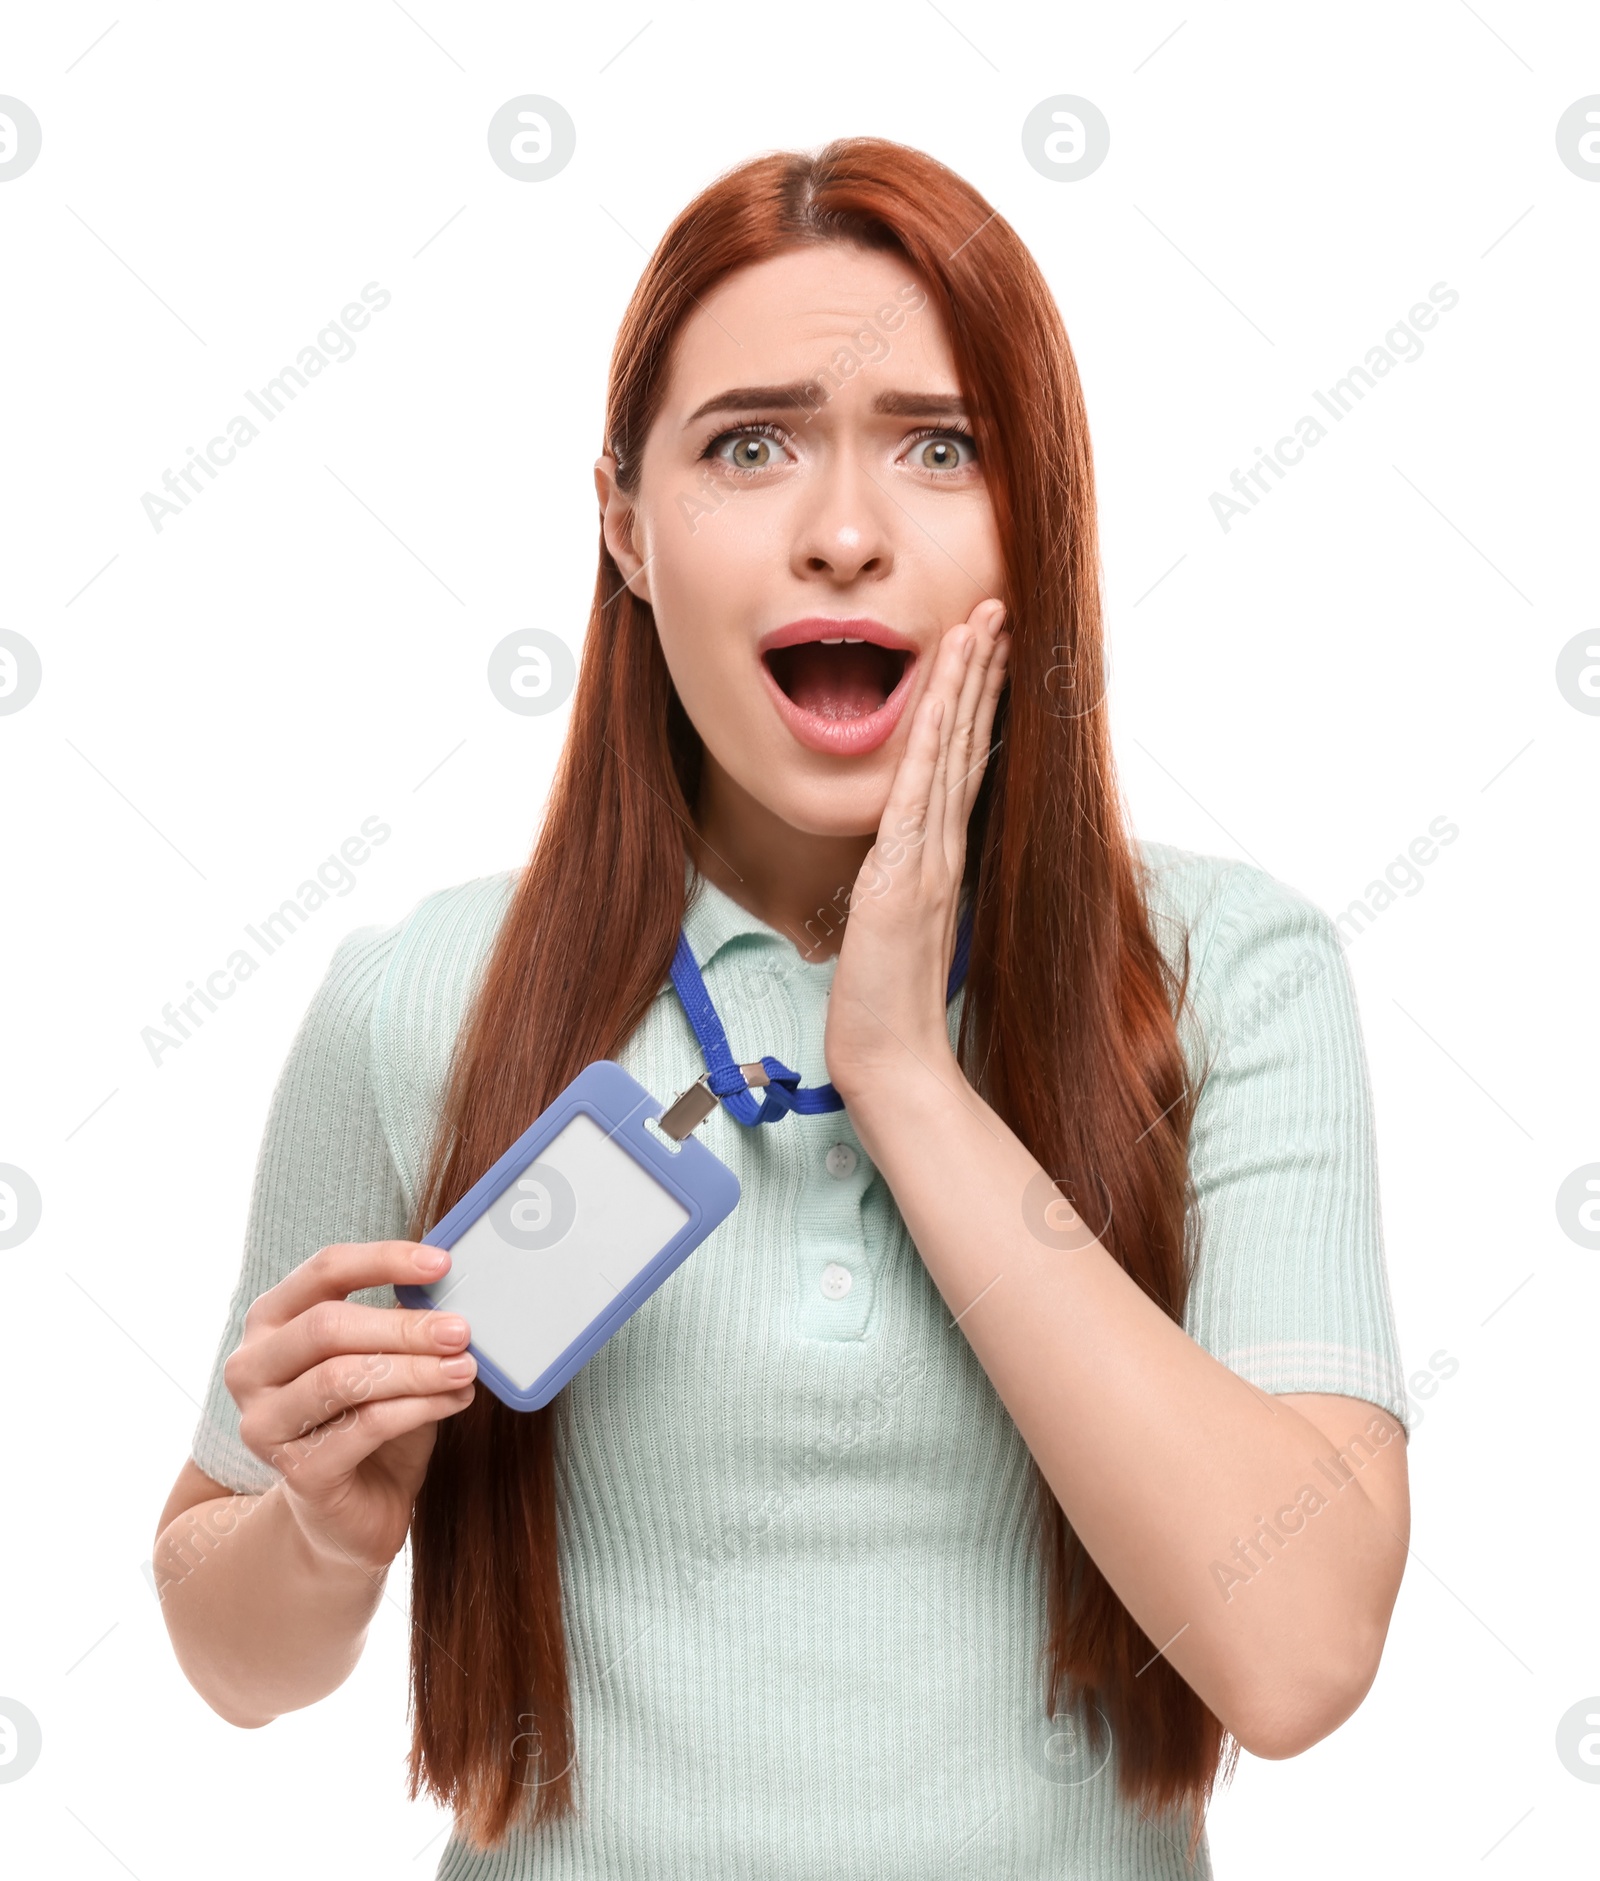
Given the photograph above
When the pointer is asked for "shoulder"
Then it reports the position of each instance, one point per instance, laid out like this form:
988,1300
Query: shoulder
408,987
439,943
1201,897
442,946
1189,894
419,973
453,927
1256,946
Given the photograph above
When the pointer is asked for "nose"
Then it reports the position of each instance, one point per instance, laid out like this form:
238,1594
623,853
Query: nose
842,532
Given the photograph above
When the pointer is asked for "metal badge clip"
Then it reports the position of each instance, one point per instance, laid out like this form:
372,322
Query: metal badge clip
685,1113
689,1111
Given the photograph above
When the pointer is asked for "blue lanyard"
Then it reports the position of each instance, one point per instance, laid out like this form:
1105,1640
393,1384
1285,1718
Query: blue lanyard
784,1091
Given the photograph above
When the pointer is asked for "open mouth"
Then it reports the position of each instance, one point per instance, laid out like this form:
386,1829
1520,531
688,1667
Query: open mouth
838,679
839,685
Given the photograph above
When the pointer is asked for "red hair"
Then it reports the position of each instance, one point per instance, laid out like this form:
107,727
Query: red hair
1062,952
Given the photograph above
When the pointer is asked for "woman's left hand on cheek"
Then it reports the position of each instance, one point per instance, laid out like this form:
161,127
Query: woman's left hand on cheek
886,1010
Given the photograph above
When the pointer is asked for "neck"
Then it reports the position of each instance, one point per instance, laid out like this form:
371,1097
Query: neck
796,882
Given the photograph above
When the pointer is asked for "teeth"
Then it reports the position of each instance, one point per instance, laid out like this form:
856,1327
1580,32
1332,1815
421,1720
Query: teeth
852,643
836,642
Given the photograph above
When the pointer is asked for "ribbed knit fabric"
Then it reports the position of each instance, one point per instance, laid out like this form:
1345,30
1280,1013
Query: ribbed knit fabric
803,1607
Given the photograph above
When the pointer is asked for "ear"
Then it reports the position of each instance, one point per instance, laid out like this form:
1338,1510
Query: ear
617,517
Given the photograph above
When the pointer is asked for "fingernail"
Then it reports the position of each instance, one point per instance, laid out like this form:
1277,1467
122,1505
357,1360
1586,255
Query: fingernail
433,1260
999,620
450,1331
462,1367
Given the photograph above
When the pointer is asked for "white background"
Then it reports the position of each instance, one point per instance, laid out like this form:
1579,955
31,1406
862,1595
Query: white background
224,702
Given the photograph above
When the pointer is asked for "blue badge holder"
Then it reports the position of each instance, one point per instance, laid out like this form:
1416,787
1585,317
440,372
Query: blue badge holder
566,1237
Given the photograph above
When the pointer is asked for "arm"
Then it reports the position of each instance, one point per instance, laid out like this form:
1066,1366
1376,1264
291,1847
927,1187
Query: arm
274,1546
260,1624
267,1596
1164,1461
1171,1468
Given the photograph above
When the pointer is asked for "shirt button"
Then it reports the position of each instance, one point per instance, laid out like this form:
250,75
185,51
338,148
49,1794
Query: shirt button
836,1280
841,1161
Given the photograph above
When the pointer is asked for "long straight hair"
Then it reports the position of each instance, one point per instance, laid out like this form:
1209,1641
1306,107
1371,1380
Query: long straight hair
1069,1026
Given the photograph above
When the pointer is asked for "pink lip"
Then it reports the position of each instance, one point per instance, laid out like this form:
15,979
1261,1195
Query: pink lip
844,738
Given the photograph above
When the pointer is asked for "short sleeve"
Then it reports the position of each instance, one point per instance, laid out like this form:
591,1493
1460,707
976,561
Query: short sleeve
1290,1287
324,1174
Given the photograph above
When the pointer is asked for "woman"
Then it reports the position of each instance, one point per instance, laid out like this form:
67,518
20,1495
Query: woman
1030,1436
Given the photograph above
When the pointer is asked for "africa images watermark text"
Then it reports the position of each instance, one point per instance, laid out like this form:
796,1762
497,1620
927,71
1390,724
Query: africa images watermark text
1402,343
335,878
334,344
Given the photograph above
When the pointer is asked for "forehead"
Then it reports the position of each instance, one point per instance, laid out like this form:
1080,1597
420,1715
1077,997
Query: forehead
784,319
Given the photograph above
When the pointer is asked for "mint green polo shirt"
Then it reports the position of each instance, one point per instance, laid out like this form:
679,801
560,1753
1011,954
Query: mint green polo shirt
803,1604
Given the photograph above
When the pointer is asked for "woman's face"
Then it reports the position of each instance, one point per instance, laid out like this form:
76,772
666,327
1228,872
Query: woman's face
810,518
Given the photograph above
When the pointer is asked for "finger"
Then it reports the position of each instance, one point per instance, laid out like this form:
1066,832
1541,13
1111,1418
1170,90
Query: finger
907,816
334,1272
334,1450
983,725
986,704
329,1392
959,648
982,623
955,658
334,1326
949,674
964,748
903,825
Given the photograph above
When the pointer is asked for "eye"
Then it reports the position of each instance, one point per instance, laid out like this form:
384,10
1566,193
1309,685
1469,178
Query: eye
754,447
945,450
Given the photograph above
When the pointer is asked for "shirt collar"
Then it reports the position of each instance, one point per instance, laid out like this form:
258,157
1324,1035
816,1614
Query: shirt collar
713,920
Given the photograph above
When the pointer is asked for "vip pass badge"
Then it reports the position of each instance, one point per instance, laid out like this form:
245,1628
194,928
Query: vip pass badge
601,1199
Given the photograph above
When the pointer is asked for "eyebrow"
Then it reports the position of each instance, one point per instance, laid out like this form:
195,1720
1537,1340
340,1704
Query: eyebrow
801,396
